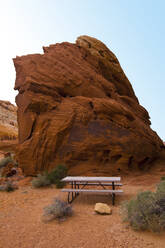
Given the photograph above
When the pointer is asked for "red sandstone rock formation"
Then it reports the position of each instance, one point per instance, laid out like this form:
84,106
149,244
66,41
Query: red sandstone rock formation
8,121
76,106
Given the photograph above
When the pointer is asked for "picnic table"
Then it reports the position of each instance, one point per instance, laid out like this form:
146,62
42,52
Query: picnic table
78,184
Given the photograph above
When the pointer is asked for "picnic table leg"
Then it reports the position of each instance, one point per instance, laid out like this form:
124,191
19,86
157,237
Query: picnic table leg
77,187
74,194
69,201
69,198
113,195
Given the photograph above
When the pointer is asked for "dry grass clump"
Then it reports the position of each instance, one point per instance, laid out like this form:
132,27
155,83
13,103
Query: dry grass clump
9,159
53,177
147,210
8,187
5,161
40,181
57,210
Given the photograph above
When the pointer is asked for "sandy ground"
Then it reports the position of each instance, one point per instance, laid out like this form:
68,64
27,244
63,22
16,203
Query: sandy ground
21,225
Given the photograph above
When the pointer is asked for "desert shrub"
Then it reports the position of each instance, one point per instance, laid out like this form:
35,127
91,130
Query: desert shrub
5,161
8,187
59,184
40,181
163,178
57,174
58,209
147,210
160,191
53,177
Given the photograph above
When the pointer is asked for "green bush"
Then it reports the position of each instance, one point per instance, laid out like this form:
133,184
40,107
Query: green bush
59,184
57,174
147,210
53,177
40,181
160,191
8,187
5,161
58,209
163,178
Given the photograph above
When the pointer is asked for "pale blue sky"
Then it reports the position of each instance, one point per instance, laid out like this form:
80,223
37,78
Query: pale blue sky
133,29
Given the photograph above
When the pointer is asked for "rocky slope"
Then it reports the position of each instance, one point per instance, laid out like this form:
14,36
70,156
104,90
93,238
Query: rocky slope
76,106
8,121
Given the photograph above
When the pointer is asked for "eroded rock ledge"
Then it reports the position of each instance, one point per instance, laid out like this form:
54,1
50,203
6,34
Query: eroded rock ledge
76,106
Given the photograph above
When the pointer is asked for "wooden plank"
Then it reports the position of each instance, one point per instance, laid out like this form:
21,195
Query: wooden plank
91,179
93,191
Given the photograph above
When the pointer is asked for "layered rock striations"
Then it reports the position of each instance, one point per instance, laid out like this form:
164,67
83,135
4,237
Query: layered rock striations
76,106
8,121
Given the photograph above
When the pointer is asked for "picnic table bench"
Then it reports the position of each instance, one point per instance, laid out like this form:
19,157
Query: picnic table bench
79,183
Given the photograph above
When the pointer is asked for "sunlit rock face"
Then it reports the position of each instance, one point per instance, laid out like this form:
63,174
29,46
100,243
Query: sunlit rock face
76,106
8,121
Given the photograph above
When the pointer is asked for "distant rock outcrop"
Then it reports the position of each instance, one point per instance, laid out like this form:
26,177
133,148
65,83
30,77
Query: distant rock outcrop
8,121
76,106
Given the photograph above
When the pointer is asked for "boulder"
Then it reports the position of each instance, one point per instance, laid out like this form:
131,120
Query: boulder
102,208
8,121
76,106
9,170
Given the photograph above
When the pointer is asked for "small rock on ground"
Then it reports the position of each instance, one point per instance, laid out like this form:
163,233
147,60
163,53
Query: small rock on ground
102,208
